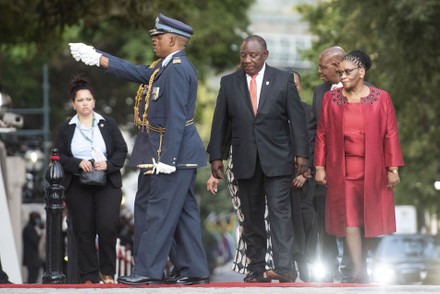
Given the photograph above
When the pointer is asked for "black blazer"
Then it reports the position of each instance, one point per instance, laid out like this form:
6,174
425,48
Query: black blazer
280,117
308,109
31,241
116,151
318,94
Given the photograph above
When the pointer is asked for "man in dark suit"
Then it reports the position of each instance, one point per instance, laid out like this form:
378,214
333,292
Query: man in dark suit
304,214
328,245
167,219
261,107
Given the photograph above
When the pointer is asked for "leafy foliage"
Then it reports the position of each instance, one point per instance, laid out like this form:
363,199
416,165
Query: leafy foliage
37,32
401,38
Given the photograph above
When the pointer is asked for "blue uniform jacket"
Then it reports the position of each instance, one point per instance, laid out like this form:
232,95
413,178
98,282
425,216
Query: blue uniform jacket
171,106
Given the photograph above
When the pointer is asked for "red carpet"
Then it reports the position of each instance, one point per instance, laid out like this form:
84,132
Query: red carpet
210,285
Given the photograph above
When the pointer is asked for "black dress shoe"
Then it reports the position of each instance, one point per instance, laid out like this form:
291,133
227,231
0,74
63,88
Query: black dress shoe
304,273
135,279
192,280
256,277
173,276
282,277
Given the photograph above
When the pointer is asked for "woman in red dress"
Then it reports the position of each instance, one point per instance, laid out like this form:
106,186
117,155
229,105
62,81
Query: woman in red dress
357,155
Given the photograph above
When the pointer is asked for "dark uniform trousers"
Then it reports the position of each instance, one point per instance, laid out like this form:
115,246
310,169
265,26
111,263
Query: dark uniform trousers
167,214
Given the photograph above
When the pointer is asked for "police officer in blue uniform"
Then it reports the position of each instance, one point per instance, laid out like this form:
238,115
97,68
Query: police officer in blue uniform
168,149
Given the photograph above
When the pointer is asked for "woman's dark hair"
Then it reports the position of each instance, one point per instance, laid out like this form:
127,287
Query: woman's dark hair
360,58
79,83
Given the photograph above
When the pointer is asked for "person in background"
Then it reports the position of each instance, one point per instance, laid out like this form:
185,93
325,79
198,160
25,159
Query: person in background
31,240
328,246
304,214
169,150
263,154
94,210
357,155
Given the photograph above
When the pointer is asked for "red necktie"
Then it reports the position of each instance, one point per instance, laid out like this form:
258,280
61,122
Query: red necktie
253,92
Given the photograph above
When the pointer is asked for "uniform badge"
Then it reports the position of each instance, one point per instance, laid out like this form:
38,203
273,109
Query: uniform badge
177,60
155,93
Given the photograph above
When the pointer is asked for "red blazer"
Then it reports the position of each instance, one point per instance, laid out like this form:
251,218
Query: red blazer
382,149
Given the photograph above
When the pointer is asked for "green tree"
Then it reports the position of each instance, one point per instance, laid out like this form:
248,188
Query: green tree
401,37
37,32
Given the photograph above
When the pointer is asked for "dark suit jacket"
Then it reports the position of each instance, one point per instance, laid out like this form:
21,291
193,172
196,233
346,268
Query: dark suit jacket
318,93
116,151
269,134
308,109
31,239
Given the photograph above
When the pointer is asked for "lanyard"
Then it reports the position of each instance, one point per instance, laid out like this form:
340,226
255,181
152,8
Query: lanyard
93,131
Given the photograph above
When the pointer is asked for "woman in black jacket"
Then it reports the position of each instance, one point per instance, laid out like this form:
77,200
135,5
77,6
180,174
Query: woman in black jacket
85,142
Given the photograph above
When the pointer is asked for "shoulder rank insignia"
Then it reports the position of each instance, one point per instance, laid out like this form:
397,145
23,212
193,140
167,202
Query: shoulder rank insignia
177,60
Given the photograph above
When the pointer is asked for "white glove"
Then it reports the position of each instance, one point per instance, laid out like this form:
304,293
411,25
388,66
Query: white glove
160,167
85,53
77,48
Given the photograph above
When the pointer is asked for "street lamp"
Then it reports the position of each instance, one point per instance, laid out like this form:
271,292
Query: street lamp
437,185
34,160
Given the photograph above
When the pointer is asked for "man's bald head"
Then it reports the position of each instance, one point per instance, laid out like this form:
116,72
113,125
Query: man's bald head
334,51
328,63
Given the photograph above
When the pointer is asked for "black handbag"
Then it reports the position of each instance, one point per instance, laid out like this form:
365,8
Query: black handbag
93,178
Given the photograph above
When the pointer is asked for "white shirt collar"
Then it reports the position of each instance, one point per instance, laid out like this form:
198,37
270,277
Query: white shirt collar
334,86
75,119
168,58
260,74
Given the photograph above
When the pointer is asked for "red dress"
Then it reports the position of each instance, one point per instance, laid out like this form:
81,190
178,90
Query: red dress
354,145
382,150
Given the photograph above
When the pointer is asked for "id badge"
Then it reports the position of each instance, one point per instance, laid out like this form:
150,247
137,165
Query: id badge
155,93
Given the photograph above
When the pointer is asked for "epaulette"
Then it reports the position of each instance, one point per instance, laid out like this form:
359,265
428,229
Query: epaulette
177,60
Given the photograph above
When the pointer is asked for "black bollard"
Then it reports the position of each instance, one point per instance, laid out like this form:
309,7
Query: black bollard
54,197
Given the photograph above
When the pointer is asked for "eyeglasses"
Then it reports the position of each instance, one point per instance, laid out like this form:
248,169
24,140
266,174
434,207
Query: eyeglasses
346,71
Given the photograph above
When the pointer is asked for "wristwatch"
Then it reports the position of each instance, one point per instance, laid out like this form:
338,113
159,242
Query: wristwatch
394,171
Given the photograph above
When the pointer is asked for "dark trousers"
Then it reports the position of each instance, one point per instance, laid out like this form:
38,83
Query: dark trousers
94,211
33,273
305,222
166,215
252,193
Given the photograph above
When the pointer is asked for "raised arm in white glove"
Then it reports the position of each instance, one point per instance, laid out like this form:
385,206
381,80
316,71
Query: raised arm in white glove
163,168
85,53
